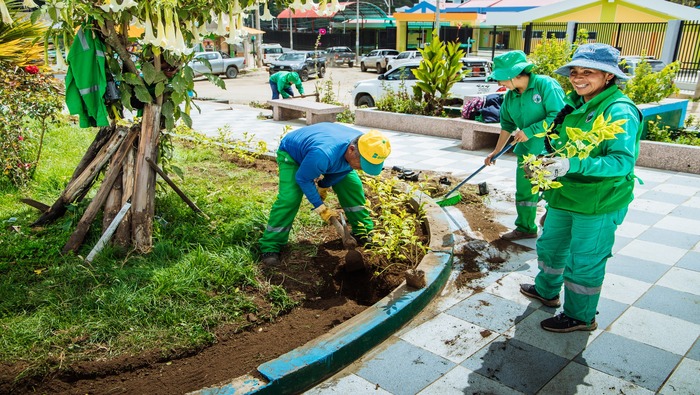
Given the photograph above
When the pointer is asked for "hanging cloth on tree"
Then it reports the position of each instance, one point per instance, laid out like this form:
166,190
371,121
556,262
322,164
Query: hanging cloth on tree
86,79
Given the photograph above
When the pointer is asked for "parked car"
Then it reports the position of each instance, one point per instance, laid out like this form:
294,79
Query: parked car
271,52
216,63
366,93
305,63
628,64
402,58
476,68
378,59
340,55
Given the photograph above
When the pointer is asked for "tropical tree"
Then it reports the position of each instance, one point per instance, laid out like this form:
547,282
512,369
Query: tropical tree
152,77
439,70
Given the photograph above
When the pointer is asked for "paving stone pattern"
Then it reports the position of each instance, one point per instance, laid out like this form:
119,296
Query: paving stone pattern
491,342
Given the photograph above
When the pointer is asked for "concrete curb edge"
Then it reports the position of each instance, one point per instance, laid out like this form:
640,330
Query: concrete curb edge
322,357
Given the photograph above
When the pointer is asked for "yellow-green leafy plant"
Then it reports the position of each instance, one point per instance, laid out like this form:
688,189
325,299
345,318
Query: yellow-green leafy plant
553,53
580,144
439,69
395,238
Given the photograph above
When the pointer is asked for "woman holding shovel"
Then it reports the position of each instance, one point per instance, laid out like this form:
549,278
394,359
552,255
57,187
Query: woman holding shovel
592,202
530,100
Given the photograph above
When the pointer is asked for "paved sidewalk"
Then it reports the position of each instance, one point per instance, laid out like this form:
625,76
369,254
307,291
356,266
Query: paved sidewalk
491,342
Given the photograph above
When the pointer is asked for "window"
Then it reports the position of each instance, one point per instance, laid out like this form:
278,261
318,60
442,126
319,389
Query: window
403,55
272,50
402,73
373,53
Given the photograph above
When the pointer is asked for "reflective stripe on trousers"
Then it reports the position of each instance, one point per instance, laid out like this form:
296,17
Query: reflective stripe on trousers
579,262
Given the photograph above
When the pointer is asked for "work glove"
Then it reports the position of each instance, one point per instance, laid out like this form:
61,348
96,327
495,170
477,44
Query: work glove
326,213
557,167
323,192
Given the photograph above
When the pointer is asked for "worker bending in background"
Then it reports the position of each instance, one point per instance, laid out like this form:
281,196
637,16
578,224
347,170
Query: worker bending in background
281,84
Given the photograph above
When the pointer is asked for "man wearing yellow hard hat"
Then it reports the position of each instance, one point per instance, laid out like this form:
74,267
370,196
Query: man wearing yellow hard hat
335,152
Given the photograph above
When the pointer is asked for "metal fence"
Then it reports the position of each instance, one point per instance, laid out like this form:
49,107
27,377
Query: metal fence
369,39
688,51
632,39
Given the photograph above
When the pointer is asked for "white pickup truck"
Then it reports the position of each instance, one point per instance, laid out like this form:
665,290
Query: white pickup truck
367,92
219,62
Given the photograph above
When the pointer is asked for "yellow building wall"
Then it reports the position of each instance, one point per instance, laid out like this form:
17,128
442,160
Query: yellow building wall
607,12
588,14
628,14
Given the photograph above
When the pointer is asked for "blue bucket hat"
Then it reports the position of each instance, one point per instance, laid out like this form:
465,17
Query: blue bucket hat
595,56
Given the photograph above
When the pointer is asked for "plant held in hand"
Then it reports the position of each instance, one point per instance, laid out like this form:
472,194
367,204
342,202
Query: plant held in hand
544,170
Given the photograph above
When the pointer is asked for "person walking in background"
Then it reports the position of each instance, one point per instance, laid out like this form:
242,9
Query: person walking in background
333,151
281,84
530,100
584,213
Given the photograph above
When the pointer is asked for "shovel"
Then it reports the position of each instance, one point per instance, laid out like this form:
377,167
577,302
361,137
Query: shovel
353,258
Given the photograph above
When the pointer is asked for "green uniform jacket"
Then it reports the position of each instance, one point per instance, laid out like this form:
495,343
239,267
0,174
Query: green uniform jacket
540,101
86,80
285,79
604,181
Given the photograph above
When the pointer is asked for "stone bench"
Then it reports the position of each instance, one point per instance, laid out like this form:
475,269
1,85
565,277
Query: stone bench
477,135
314,112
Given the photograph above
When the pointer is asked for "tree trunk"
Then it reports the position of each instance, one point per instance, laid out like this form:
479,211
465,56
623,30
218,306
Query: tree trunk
143,198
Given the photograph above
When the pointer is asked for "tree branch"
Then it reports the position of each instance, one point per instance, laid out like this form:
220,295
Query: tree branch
112,39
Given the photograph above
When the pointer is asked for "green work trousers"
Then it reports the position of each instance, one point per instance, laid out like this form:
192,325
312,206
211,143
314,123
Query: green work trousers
350,195
573,250
525,201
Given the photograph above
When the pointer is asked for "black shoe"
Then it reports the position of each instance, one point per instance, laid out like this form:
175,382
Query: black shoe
563,323
364,241
529,290
270,258
518,235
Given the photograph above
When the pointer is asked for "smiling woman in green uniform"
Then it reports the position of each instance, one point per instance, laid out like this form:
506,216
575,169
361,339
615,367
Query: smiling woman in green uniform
584,213
530,99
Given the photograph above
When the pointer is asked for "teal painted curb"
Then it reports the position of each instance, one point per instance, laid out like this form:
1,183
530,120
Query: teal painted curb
322,357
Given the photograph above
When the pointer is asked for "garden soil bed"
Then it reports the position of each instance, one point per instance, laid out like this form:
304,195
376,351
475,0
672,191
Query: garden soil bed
328,296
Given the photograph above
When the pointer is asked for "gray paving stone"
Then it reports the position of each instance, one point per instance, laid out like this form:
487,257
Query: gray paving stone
643,217
620,243
608,311
516,364
670,238
686,212
690,261
404,368
694,352
664,197
630,360
636,268
490,311
683,305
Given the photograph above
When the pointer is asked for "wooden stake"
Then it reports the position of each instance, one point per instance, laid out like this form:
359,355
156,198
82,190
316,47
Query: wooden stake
76,239
175,188
80,184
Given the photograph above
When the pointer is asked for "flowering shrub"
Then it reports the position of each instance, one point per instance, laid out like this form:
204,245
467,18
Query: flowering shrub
29,101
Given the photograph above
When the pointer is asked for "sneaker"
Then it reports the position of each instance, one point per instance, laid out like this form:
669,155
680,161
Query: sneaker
563,323
270,258
529,290
518,235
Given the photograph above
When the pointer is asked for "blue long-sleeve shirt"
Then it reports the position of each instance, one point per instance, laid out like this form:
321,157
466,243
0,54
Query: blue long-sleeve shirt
319,150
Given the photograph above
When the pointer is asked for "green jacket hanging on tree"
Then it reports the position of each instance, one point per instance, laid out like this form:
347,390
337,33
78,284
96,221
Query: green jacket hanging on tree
86,79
